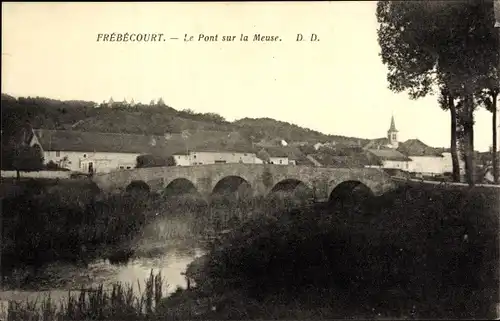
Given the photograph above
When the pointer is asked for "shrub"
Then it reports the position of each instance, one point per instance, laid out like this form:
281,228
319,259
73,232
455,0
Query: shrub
412,253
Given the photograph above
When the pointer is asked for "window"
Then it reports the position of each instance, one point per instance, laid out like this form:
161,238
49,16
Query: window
128,167
121,167
84,155
58,154
281,161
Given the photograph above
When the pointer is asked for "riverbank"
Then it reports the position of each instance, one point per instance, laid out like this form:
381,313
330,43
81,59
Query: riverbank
71,223
417,252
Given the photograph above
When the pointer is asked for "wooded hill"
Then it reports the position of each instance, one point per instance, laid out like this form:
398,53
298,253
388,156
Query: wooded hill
152,119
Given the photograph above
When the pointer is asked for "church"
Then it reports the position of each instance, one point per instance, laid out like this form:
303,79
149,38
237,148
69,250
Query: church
412,155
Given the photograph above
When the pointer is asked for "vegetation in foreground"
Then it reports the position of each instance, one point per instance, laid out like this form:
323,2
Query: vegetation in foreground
419,252
423,251
69,221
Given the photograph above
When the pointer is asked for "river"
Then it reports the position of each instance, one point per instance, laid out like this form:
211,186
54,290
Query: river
59,278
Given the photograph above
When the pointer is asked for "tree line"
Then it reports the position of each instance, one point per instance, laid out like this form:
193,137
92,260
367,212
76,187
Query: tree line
450,48
142,119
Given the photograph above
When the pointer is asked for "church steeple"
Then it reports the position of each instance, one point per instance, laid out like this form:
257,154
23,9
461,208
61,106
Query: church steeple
393,125
392,134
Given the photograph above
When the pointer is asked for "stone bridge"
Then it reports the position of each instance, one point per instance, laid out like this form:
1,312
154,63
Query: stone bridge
260,179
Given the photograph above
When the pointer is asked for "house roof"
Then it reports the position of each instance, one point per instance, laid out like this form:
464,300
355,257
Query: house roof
76,141
276,151
356,160
389,154
415,147
229,149
169,144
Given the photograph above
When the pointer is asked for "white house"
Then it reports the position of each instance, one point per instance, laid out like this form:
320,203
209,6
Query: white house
426,159
389,158
96,152
182,159
203,157
281,155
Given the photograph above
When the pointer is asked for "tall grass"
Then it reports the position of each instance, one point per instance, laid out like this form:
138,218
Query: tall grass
67,225
119,302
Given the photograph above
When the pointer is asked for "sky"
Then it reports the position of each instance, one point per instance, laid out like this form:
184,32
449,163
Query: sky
336,85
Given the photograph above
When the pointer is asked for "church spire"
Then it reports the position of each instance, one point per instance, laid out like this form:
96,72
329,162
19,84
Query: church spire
393,125
392,134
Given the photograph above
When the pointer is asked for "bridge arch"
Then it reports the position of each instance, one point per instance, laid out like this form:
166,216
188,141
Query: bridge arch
137,186
233,186
292,186
262,178
180,186
353,190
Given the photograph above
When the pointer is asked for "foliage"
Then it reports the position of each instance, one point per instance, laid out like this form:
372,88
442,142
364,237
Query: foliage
154,161
22,158
52,166
452,45
141,119
65,221
385,255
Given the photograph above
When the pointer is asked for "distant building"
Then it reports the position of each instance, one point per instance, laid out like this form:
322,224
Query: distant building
205,157
114,104
96,152
389,158
283,155
273,155
426,159
318,145
391,141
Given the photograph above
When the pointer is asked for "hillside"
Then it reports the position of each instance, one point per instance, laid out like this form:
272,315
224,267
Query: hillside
143,119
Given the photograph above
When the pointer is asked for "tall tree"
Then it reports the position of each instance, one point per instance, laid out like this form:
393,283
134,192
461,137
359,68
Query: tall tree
447,102
427,44
488,98
27,158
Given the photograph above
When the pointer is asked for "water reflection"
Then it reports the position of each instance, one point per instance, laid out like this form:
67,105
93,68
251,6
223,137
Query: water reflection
63,278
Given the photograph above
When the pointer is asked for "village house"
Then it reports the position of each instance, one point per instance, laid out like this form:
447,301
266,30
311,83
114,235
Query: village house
273,155
96,152
203,156
389,158
283,155
427,160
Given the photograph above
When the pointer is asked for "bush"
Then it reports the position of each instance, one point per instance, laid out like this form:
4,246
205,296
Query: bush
413,253
51,166
154,161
